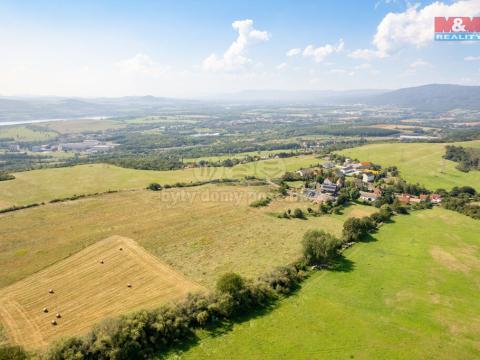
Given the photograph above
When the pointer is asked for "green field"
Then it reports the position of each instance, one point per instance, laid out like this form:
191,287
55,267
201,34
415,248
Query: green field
419,162
410,293
46,184
22,133
83,125
237,156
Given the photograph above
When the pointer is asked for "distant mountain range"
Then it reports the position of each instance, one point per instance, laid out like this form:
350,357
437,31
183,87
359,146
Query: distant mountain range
434,97
38,108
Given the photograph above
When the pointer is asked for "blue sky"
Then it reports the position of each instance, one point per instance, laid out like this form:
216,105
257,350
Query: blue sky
197,48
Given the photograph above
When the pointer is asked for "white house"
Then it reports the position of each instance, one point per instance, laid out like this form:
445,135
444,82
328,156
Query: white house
368,177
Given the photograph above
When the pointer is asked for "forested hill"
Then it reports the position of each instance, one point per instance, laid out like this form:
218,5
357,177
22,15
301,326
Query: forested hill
434,97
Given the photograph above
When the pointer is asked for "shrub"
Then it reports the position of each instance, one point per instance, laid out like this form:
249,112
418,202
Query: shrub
6,176
385,212
261,202
68,349
367,225
376,217
13,353
154,187
283,280
298,214
352,230
230,283
319,247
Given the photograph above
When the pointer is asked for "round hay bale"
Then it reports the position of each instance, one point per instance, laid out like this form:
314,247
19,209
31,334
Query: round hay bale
45,309
58,316
129,285
121,249
50,291
101,261
54,322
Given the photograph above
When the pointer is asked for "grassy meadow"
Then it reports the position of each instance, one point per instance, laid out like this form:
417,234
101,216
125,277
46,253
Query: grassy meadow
237,155
419,162
83,125
22,133
47,184
409,293
202,232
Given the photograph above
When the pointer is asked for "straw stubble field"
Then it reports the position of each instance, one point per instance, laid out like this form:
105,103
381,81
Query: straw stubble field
112,277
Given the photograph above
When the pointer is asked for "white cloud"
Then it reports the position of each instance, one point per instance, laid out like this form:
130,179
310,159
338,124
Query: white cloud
418,64
294,51
320,53
471,58
141,64
235,57
281,66
413,27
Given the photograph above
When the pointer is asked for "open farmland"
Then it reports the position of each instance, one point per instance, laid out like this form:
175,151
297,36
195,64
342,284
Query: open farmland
202,232
25,133
410,293
47,184
88,286
237,155
419,162
83,125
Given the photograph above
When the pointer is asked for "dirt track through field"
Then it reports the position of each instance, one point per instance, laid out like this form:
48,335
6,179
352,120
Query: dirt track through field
85,291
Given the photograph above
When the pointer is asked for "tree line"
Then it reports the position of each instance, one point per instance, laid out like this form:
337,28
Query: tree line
467,158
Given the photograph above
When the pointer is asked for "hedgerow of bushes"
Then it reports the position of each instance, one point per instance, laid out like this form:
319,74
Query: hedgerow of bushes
148,332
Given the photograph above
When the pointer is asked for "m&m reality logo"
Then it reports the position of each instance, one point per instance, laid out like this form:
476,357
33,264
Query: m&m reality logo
457,28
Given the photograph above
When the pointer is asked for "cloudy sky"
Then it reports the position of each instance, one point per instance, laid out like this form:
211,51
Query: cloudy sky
197,48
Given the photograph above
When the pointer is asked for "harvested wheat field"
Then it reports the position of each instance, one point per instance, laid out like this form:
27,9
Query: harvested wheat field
112,277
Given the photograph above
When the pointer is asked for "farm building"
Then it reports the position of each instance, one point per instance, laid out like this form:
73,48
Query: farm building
329,187
368,177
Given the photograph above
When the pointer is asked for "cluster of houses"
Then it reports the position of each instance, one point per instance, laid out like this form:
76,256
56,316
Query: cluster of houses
363,176
328,190
407,199
89,146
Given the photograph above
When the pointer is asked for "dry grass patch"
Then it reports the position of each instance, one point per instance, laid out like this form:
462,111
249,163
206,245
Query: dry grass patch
202,231
448,260
112,277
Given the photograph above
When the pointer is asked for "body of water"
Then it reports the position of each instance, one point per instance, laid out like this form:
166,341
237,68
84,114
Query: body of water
5,123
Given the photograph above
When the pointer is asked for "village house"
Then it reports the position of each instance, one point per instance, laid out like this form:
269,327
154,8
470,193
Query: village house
435,198
365,165
308,172
368,196
368,177
407,199
328,187
348,170
404,199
